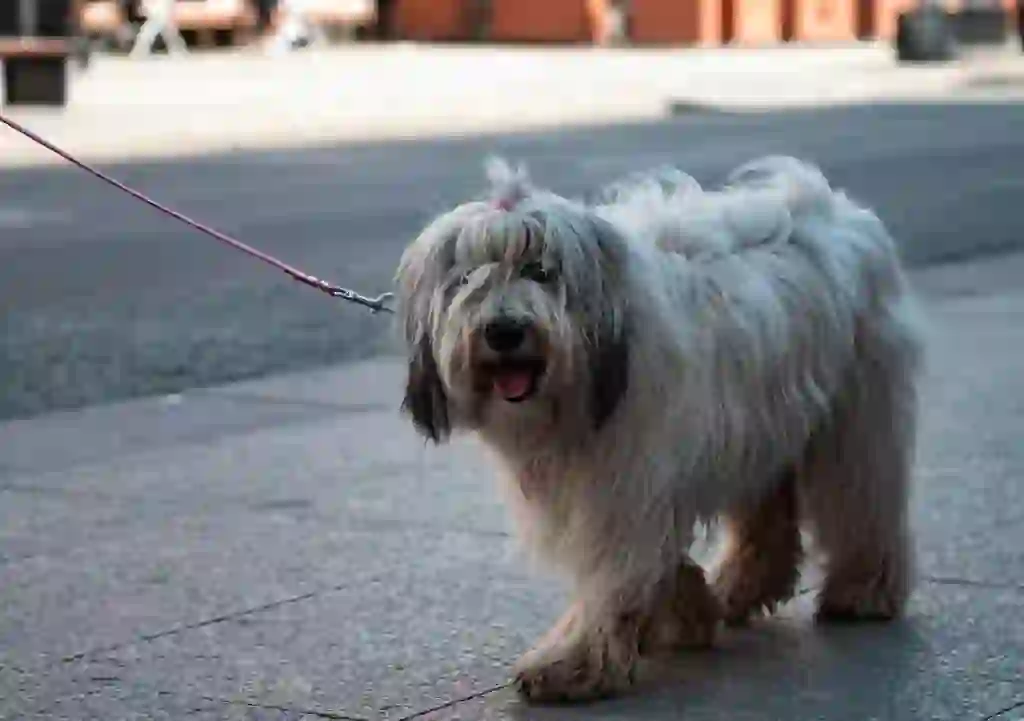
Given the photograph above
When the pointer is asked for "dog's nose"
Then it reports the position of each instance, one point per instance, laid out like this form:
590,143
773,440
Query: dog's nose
505,335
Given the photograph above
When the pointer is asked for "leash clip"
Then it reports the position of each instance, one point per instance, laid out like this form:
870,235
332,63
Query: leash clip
376,305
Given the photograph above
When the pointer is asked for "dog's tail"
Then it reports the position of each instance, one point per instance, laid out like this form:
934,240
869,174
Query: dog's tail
654,185
805,188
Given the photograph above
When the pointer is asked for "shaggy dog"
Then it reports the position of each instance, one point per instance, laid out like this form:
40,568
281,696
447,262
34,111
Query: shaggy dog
664,357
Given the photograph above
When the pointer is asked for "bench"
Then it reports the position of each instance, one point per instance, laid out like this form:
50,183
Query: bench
346,14
106,22
170,19
102,17
314,20
35,70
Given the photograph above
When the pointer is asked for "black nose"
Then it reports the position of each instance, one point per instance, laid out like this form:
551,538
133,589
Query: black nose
505,335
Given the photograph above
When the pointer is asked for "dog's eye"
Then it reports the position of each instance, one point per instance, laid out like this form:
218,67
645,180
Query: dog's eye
536,272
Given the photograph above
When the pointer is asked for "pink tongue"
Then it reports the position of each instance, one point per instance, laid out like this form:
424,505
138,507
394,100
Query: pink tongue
513,384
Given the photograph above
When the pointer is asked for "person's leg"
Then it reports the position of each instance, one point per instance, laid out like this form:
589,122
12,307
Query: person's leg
289,28
264,15
81,46
384,26
145,38
130,9
172,37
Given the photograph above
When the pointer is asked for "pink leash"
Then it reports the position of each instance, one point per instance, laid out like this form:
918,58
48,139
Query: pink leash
374,304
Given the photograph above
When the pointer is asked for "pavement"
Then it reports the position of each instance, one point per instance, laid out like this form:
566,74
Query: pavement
185,547
288,549
241,100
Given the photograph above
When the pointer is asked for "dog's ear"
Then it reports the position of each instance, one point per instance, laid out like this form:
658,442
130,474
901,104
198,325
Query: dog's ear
609,353
425,400
609,373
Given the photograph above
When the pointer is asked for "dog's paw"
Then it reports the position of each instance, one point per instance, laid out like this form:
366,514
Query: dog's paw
586,671
748,587
740,598
866,592
847,603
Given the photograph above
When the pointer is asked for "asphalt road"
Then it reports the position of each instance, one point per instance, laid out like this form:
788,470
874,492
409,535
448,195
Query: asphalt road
104,299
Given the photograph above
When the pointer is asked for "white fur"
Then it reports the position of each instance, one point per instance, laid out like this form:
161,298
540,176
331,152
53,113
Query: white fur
767,328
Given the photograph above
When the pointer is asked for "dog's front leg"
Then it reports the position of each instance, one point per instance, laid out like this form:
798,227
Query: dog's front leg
593,650
588,654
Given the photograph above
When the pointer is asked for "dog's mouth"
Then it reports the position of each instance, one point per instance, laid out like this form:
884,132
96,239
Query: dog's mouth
515,379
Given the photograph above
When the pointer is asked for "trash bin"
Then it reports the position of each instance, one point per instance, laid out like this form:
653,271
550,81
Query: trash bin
924,34
982,22
751,22
670,22
818,21
35,44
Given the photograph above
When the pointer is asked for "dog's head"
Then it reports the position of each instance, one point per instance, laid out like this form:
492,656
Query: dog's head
514,313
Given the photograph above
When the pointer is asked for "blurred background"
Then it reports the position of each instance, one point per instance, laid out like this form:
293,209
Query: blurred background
120,25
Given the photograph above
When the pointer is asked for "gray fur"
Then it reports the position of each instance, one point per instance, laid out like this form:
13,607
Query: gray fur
697,344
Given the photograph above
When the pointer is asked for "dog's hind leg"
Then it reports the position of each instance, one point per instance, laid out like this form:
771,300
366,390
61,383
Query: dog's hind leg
855,489
760,562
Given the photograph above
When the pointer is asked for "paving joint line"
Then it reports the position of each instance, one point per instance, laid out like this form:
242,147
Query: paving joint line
972,583
391,524
997,714
282,401
27,490
182,628
48,707
455,702
288,709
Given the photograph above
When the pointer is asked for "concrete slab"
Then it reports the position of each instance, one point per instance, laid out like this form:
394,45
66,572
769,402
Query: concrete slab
376,382
375,464
970,510
59,441
420,640
392,648
308,555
